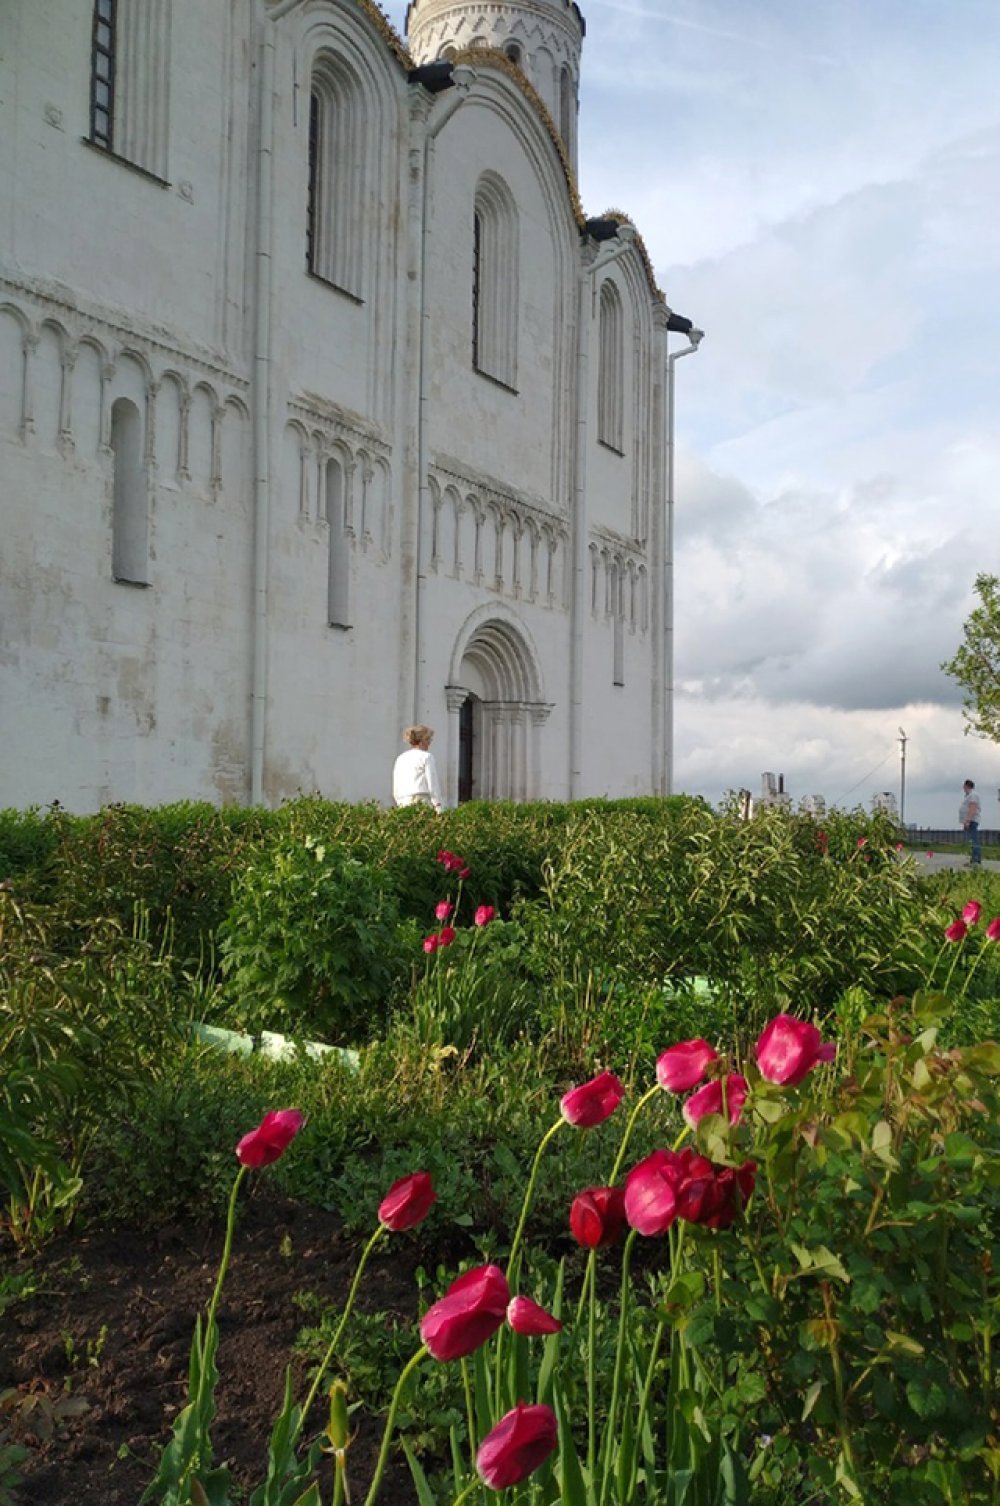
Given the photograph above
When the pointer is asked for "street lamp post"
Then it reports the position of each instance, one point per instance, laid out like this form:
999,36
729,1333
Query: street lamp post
676,324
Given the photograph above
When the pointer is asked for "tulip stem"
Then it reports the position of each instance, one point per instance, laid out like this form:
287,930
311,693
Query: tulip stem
331,1348
619,1364
227,1248
390,1423
469,1410
661,1329
592,1374
652,1092
528,1195
465,1493
515,1248
213,1306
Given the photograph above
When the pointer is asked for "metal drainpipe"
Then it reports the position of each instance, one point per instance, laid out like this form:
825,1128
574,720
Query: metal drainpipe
462,81
622,243
668,578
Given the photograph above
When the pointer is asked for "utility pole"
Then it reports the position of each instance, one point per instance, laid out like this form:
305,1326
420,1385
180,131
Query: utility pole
902,777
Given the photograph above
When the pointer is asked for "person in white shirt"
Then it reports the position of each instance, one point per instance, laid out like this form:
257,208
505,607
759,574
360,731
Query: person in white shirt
970,813
414,775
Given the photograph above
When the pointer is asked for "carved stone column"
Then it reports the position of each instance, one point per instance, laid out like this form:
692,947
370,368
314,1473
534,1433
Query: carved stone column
456,697
538,715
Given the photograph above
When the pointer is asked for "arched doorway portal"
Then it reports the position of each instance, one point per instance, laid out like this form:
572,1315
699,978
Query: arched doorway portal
496,712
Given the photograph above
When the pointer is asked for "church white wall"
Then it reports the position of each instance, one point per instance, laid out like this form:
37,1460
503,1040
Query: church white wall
519,436
115,287
93,224
106,687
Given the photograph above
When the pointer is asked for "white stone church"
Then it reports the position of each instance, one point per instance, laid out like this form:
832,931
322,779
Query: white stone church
323,409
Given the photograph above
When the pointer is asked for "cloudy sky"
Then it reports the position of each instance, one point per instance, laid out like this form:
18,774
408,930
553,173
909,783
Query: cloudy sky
818,184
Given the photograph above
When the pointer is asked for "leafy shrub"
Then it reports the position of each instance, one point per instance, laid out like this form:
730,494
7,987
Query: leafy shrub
311,944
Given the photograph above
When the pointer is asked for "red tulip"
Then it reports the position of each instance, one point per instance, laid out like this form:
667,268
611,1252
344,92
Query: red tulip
593,1101
714,1200
446,936
972,912
708,1100
469,1313
484,915
407,1202
520,1442
957,931
993,930
651,1192
789,1048
862,841
450,861
526,1317
272,1137
443,909
597,1216
464,873
431,943
899,846
681,1066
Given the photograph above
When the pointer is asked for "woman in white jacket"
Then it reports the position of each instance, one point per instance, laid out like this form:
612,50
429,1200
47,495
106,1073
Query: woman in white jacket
414,775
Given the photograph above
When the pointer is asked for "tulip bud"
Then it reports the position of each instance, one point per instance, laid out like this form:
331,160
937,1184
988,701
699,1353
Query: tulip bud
337,1432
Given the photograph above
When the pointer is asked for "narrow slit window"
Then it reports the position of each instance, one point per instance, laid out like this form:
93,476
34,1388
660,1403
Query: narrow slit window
102,75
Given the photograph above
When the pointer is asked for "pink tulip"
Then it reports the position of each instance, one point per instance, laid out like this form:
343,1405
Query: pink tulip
708,1100
597,1216
957,931
993,930
430,943
683,1065
526,1317
972,912
593,1101
651,1193
408,1202
443,909
469,1313
789,1048
520,1442
272,1137
484,915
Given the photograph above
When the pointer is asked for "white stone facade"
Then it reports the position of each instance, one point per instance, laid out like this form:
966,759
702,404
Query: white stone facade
322,410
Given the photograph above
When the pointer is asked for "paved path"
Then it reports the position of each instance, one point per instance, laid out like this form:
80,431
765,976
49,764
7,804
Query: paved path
938,861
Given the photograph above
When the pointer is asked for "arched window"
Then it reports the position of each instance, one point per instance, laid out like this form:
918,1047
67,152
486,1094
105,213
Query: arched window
130,515
338,591
129,78
566,110
495,254
337,164
611,371
513,51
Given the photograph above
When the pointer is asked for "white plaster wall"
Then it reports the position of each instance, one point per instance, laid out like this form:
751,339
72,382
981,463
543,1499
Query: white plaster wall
519,436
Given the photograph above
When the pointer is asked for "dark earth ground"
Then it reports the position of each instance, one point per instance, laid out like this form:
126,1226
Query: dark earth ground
97,1358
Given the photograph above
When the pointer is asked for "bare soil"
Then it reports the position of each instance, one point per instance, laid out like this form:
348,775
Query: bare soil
95,1362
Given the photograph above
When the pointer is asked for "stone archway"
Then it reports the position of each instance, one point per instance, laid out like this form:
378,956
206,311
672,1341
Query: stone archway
496,711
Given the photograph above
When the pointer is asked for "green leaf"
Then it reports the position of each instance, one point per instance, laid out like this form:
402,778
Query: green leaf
985,1058
811,1398
926,1396
574,1490
820,1262
420,1484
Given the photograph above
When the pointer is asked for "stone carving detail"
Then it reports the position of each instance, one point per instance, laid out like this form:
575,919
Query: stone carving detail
476,533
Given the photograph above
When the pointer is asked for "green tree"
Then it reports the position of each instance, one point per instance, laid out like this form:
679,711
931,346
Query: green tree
976,665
